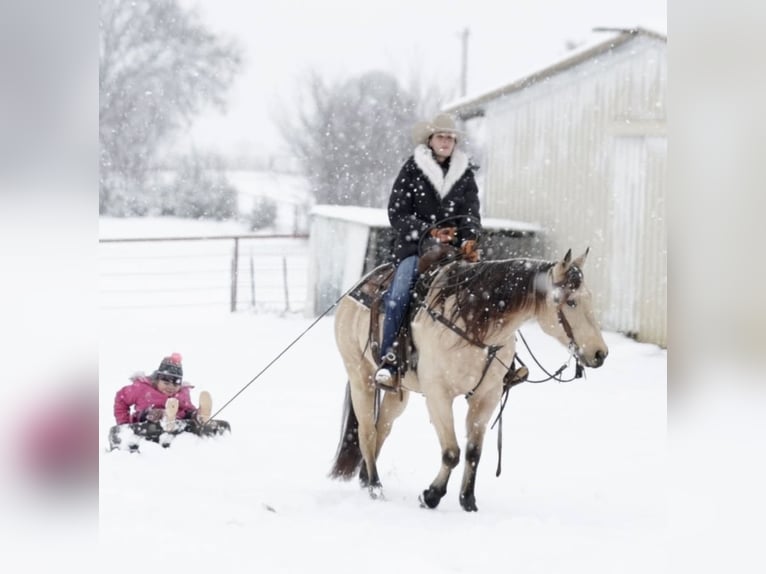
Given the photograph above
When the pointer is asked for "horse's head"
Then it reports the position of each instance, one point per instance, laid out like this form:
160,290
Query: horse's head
568,314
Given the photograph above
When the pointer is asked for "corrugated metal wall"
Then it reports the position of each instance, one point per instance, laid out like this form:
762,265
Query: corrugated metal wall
638,262
332,271
653,299
583,154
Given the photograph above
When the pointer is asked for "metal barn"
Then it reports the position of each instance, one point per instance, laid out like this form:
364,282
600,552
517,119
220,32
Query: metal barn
580,147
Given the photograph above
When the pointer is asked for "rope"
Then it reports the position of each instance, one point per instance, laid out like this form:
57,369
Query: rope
282,352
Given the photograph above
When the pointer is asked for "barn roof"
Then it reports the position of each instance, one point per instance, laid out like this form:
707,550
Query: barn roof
472,107
375,217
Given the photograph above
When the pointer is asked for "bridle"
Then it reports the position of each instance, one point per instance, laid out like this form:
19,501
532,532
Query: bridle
562,290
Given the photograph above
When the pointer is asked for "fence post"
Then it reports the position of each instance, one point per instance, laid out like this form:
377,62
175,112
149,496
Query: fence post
234,273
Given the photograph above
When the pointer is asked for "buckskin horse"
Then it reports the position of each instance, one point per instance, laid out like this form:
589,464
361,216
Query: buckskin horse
463,330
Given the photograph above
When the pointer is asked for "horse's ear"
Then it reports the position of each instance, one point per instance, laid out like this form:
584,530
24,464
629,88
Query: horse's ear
560,269
580,261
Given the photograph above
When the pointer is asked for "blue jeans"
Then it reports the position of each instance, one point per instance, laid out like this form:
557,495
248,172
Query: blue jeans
397,301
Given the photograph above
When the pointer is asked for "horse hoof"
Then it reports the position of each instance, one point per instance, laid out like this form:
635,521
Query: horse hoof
430,498
376,492
469,504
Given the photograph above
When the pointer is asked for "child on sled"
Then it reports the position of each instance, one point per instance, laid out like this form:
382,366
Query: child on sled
160,406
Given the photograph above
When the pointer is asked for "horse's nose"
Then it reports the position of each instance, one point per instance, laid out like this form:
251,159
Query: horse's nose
599,357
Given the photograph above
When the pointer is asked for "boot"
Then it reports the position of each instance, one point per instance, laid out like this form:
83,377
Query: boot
387,375
171,410
205,407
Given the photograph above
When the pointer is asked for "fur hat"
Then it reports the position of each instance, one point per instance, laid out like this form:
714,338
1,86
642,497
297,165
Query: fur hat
441,123
170,367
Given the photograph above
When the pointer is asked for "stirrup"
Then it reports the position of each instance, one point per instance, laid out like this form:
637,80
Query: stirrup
387,379
520,375
515,377
171,410
387,376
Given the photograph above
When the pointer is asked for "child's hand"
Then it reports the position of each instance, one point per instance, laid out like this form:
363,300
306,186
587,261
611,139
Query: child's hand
153,415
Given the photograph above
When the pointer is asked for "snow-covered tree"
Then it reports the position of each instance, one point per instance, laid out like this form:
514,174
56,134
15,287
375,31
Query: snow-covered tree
352,137
158,67
198,190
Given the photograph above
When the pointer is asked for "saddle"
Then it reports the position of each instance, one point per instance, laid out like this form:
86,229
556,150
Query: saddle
371,289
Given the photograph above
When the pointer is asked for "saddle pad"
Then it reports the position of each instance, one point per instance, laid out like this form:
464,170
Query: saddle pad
373,285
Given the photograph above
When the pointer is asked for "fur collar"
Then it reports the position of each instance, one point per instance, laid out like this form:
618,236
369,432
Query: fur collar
424,159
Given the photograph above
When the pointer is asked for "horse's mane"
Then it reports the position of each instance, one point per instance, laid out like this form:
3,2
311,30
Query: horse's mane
485,293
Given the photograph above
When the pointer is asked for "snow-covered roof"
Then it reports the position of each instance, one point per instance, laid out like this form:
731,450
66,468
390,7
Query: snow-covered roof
354,214
473,106
373,217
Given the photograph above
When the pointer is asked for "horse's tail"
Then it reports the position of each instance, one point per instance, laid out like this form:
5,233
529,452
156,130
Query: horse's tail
348,456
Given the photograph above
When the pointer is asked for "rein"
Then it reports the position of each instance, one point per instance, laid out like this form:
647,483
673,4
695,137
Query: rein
491,349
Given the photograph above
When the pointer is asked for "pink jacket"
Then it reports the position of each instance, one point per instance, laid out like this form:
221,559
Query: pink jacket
142,395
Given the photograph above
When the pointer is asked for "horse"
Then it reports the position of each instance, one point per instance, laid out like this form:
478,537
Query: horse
463,331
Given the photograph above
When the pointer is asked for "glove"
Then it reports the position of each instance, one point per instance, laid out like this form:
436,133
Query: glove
469,251
152,415
444,234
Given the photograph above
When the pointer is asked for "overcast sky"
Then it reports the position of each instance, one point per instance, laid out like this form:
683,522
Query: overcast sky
342,38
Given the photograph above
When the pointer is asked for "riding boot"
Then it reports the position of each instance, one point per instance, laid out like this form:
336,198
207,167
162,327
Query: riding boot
171,410
205,407
387,375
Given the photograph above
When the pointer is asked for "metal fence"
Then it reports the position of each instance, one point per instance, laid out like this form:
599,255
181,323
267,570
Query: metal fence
241,272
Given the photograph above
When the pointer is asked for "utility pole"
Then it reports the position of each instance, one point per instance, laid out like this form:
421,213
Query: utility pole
464,68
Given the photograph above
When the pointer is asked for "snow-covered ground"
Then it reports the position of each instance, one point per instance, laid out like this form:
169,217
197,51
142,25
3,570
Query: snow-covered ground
582,487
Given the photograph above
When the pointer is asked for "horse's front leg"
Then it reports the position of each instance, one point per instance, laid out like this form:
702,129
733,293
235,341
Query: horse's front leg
440,411
479,412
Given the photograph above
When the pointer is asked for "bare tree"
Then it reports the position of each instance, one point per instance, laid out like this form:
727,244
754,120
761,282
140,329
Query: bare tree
158,67
352,137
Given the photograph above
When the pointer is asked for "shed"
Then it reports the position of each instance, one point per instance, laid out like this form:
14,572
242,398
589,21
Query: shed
345,242
580,147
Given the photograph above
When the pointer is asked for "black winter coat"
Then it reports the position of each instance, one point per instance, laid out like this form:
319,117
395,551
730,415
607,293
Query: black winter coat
423,195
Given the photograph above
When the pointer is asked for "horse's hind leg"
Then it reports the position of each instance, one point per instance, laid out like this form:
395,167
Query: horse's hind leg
348,457
391,407
440,411
363,400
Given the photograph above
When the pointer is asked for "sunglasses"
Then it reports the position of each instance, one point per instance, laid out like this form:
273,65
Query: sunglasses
170,380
